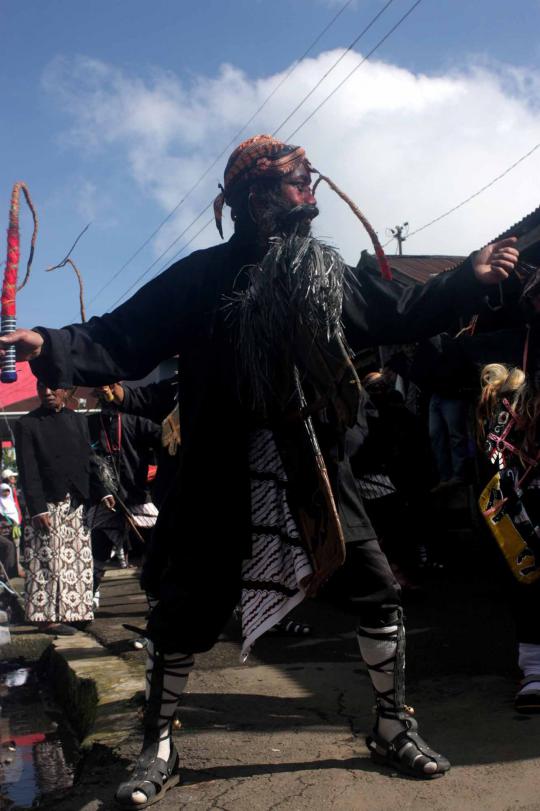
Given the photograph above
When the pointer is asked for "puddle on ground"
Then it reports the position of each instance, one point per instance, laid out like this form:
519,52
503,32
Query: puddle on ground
37,755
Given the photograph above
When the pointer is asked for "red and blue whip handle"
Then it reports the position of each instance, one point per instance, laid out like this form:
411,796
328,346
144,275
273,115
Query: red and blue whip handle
8,320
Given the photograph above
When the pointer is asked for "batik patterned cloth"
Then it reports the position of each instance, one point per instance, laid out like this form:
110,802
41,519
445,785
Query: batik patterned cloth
272,579
58,563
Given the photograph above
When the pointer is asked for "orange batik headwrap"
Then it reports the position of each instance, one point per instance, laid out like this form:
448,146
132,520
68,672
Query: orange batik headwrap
263,156
257,157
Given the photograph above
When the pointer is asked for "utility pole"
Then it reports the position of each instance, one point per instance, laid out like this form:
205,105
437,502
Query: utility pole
400,233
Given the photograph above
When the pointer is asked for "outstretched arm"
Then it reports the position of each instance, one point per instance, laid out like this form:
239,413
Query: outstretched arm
379,312
124,344
154,401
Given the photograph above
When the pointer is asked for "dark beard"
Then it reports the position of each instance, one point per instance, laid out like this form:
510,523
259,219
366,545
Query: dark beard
290,312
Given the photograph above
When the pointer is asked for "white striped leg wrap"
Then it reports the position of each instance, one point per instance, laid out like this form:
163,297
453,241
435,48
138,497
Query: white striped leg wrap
175,672
379,650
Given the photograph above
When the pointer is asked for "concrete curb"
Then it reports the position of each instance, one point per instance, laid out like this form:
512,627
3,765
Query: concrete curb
95,688
29,647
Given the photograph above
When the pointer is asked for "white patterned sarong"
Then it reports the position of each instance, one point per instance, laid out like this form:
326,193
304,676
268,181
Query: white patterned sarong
58,564
272,579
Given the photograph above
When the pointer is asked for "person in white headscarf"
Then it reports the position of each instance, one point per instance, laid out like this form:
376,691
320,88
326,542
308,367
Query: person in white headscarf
8,508
10,525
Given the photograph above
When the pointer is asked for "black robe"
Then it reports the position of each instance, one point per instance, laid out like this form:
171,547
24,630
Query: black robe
55,458
181,313
155,402
133,449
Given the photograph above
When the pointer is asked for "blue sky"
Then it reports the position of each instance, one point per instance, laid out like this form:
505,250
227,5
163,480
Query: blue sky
112,110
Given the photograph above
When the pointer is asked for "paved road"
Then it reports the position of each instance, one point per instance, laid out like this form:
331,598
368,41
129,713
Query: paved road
286,730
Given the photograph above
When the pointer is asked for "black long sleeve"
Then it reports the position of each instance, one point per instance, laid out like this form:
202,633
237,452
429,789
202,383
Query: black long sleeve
27,462
98,491
378,312
129,342
154,401
174,313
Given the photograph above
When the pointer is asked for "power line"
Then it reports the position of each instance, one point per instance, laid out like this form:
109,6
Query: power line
167,249
164,267
234,139
472,196
362,62
207,224
223,151
336,63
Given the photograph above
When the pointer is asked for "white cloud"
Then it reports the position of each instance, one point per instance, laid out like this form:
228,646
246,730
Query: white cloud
404,146
88,199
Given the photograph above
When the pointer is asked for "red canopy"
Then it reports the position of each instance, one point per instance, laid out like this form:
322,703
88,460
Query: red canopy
22,391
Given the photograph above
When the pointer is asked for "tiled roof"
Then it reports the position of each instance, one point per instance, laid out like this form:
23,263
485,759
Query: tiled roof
421,268
418,269
529,222
23,389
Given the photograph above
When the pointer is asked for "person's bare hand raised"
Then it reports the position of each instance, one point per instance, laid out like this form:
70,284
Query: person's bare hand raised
27,343
493,263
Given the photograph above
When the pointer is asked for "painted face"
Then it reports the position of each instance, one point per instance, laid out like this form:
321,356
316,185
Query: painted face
296,188
53,399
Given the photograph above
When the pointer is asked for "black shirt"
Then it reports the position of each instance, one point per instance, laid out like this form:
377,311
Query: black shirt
129,443
55,458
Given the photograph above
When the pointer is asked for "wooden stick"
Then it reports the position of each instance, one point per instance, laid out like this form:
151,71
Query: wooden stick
67,260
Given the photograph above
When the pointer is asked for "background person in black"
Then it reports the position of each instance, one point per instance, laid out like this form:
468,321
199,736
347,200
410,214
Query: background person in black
58,475
397,446
125,446
158,403
268,186
513,355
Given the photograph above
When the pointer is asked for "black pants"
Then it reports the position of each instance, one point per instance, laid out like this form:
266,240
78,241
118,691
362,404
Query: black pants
109,531
195,600
526,610
389,515
200,580
365,586
196,603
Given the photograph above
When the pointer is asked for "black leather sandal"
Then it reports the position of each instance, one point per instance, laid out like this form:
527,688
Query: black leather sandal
528,703
152,776
408,752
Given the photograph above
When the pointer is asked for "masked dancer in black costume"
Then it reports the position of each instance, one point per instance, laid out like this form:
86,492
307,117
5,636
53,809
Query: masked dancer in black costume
262,326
